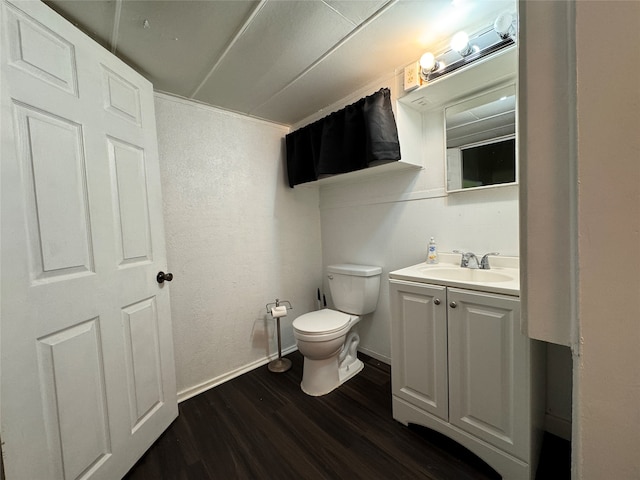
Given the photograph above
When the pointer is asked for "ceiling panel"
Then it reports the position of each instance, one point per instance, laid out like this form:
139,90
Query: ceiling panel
390,41
281,60
386,41
93,18
281,42
356,10
183,39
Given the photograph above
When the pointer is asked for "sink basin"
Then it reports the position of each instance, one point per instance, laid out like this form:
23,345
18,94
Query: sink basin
502,278
465,274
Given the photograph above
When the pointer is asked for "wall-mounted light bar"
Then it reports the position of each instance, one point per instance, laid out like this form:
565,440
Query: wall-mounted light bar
465,50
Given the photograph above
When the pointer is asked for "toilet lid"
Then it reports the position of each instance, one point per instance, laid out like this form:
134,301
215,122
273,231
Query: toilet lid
321,321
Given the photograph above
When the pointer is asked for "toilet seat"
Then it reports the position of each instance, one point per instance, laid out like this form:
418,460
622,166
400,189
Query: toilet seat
321,322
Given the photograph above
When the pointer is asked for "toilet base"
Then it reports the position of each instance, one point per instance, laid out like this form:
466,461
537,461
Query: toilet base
348,371
320,377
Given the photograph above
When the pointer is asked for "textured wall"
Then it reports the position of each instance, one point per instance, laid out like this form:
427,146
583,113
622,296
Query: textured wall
237,238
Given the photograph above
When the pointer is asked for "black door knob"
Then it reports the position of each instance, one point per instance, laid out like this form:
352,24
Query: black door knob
161,277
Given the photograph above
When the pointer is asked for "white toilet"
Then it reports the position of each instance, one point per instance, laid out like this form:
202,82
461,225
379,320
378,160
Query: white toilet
325,337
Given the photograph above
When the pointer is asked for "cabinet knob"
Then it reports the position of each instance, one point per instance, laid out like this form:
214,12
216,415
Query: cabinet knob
437,301
453,304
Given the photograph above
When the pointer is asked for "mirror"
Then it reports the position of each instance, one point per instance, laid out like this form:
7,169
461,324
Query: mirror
481,141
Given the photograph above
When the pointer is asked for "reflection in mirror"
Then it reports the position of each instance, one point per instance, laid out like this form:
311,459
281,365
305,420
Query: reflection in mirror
481,145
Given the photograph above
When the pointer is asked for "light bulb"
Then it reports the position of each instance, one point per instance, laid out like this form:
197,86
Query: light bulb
502,25
428,62
460,43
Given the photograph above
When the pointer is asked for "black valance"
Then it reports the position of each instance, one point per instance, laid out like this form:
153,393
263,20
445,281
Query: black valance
349,139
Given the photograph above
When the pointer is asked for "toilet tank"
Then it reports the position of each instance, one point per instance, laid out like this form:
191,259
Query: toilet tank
354,288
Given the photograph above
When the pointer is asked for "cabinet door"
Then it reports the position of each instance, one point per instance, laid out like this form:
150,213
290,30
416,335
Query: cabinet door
488,369
419,345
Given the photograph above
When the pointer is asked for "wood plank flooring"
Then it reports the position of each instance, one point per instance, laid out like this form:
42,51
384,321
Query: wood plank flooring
262,426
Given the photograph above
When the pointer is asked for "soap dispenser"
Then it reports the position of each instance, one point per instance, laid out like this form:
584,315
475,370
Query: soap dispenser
432,252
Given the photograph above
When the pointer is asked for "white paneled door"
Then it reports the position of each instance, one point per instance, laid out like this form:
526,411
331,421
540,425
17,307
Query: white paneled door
87,367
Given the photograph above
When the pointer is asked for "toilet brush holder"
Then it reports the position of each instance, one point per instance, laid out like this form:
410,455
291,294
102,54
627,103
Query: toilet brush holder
278,311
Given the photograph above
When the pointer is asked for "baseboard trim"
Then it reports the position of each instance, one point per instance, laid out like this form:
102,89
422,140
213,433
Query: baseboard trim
190,392
375,355
559,427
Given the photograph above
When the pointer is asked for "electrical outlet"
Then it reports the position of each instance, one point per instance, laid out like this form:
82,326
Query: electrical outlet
412,77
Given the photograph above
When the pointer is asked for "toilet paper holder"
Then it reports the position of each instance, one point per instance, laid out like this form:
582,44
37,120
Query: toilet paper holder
280,364
278,303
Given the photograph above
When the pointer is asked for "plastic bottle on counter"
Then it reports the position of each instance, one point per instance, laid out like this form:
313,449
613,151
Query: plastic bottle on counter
432,252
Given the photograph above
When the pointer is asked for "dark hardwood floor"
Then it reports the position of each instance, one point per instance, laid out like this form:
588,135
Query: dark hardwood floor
262,426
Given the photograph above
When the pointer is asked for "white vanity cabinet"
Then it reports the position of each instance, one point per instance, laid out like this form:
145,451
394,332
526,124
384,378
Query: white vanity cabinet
461,366
419,346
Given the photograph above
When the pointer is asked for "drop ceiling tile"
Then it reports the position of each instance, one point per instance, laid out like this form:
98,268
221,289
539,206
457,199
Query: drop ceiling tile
377,49
356,10
182,40
93,18
385,45
282,41
262,73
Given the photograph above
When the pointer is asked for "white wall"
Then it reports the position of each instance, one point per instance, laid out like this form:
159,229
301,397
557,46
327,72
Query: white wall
607,411
237,238
387,221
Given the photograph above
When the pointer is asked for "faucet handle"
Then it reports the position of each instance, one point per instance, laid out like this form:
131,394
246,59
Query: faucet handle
466,258
484,263
464,261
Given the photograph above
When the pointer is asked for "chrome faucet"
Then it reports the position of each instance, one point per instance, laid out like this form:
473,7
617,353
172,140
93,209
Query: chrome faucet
469,260
484,263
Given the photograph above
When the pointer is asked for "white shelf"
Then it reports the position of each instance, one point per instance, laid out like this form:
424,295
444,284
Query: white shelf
358,175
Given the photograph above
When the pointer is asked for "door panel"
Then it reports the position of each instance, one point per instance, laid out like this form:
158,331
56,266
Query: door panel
88,379
121,98
75,405
54,177
143,360
41,52
131,205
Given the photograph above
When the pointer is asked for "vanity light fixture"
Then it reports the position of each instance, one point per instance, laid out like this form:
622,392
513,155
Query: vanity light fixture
428,63
504,25
460,43
466,49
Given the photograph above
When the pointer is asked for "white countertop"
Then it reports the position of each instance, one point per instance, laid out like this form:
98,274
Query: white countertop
506,270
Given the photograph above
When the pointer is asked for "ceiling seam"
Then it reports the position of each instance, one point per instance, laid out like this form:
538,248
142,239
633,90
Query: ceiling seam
116,26
339,13
201,104
233,41
342,41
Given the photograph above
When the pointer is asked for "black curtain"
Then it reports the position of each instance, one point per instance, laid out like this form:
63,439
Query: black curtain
347,140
